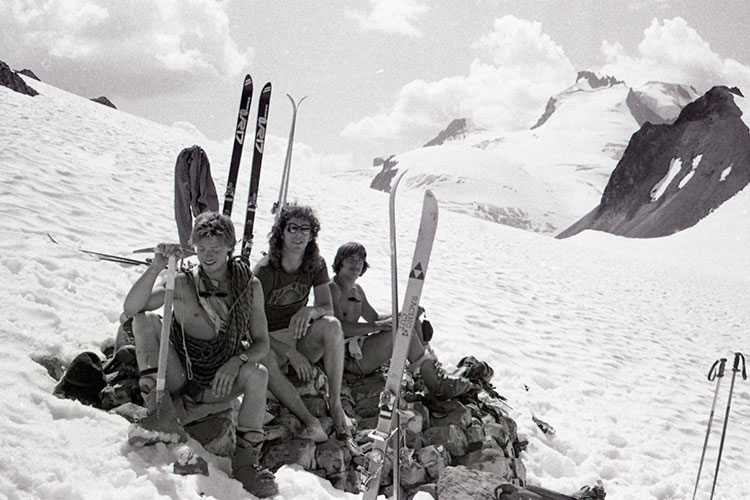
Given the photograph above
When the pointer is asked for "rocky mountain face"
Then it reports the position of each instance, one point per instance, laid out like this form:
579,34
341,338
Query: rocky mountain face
673,175
10,79
457,129
586,80
659,102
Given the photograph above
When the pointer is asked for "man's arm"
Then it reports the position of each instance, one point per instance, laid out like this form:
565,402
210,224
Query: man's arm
259,327
142,295
353,327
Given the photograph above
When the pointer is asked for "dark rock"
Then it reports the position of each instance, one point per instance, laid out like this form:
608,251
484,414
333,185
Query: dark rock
10,79
671,176
412,474
332,456
457,129
382,181
461,482
435,459
190,463
451,436
216,433
29,73
488,460
104,100
296,451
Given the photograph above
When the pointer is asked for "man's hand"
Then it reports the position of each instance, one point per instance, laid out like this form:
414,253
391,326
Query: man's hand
301,365
163,251
221,386
301,321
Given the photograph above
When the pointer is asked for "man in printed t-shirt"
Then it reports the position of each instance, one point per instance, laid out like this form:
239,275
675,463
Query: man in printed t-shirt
300,334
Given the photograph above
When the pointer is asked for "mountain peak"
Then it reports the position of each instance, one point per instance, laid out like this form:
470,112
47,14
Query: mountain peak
457,129
595,80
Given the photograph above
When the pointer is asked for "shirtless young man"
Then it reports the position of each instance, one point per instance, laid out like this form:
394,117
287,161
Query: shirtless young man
300,334
373,335
218,310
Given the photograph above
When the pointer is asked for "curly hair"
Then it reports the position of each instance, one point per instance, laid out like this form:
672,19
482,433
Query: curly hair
351,249
214,224
312,260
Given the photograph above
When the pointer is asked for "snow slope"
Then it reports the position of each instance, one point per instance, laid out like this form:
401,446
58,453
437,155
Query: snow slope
548,177
607,339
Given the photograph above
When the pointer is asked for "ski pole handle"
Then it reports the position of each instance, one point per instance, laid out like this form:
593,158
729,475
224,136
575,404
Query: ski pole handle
738,356
717,369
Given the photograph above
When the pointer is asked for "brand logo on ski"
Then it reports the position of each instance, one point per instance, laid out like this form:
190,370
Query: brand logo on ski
260,134
417,272
242,123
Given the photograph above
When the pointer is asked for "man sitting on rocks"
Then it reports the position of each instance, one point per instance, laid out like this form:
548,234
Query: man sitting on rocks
217,309
371,341
300,334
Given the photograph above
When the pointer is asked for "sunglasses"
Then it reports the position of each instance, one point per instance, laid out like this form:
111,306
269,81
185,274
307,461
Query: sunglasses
292,228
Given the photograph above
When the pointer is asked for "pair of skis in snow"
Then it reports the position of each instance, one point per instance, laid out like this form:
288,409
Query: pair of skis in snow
403,323
259,141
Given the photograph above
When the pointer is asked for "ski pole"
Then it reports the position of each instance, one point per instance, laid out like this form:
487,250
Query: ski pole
715,373
736,368
166,324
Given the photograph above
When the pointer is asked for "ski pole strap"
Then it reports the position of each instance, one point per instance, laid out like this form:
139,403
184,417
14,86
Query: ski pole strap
738,357
717,369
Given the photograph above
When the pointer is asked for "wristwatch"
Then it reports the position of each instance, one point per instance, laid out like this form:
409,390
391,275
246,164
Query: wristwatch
243,358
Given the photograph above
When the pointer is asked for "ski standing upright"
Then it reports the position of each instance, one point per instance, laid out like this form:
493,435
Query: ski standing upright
239,140
284,187
382,435
264,103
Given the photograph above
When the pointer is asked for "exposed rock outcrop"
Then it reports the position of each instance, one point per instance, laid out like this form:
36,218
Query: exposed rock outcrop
659,102
104,100
29,73
457,129
382,181
10,79
671,176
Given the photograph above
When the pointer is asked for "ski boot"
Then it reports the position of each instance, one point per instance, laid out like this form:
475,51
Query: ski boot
440,384
247,470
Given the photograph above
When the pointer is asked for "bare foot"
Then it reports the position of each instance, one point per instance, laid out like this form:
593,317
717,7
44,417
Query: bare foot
315,432
341,423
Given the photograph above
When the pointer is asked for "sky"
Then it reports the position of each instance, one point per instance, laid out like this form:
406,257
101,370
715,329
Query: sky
381,76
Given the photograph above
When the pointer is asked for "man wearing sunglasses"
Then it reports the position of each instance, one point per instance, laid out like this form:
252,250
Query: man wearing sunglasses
301,334
218,338
370,342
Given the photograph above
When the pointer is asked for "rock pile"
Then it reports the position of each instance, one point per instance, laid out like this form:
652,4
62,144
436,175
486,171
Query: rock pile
446,445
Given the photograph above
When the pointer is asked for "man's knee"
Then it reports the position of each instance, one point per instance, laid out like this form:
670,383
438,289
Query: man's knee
145,325
254,376
330,329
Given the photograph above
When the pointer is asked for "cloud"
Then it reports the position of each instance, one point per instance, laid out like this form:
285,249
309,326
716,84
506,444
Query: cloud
392,16
166,45
672,51
507,87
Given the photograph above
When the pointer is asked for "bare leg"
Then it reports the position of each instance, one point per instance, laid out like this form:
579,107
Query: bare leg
147,333
287,394
377,349
251,382
326,339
